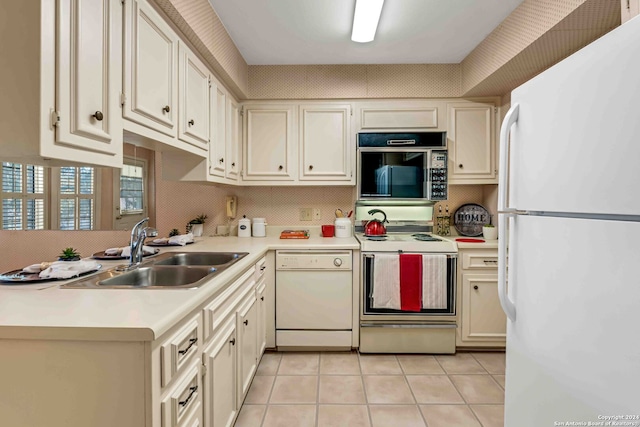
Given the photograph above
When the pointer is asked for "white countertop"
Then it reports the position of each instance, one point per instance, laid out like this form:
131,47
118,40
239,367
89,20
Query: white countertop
131,314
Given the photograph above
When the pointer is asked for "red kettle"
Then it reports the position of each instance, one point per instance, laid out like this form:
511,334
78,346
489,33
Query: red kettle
375,227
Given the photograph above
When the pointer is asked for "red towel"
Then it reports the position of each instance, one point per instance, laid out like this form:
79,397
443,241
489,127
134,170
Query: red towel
410,282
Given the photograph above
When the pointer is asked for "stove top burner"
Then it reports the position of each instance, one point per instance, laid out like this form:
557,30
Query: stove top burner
424,237
376,238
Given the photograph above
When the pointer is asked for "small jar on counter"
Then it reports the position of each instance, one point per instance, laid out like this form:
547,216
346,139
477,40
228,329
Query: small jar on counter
259,227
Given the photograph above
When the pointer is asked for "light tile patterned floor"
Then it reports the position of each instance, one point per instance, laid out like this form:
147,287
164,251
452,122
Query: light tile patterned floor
360,390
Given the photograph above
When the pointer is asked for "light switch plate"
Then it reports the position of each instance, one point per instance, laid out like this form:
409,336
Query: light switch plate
305,214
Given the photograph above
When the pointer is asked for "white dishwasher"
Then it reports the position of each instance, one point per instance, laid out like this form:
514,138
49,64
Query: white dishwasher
314,299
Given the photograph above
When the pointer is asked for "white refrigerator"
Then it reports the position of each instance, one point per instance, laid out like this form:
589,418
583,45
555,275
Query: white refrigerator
569,193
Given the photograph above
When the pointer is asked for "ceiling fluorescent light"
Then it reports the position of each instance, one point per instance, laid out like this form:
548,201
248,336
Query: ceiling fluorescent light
365,20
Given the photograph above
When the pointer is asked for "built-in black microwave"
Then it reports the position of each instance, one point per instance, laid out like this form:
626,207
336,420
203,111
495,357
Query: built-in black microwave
402,166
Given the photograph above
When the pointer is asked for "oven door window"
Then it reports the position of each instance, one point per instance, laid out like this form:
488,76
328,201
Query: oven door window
368,291
393,174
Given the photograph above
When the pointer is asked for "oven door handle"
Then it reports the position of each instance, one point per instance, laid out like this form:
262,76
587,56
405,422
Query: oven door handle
410,325
401,142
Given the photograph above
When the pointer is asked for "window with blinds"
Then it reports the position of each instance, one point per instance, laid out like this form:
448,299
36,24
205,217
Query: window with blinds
132,189
76,198
23,196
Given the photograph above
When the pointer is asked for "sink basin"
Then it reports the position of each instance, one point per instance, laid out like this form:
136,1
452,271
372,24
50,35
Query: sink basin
157,276
170,270
149,277
200,258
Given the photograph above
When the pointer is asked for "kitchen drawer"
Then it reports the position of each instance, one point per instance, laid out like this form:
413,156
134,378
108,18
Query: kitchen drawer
183,402
261,266
479,259
224,304
179,350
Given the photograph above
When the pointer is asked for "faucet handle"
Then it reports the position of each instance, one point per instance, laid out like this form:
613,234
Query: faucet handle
150,232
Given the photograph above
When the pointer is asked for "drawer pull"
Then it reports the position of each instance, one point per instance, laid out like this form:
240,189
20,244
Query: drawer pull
233,341
246,322
475,287
486,261
262,268
192,391
192,341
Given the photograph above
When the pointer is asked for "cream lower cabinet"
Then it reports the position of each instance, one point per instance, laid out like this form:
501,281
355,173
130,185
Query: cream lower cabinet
247,340
195,374
61,82
472,143
482,323
261,336
220,380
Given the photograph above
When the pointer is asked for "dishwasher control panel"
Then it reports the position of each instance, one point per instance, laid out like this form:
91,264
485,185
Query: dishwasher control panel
313,260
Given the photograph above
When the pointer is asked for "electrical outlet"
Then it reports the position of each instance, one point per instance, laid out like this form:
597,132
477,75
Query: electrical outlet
317,214
305,214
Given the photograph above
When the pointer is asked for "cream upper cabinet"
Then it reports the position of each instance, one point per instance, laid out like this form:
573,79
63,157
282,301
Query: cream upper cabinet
218,132
629,9
400,115
482,323
61,82
325,149
151,69
193,95
269,135
89,75
232,148
472,143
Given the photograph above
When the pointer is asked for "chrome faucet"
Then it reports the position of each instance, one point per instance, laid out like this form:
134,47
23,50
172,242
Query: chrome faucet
138,236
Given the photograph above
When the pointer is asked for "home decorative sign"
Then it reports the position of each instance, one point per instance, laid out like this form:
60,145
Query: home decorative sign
470,218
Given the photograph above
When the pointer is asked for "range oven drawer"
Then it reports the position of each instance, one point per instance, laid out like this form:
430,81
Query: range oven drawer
436,338
369,308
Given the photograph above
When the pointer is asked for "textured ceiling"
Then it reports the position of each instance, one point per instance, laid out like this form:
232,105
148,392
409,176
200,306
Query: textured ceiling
277,32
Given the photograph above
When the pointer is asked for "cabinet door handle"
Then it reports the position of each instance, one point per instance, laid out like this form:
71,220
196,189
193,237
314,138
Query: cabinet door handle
192,122
261,298
233,341
460,166
263,267
280,167
246,322
475,287
221,160
192,342
166,108
98,116
233,165
192,391
310,167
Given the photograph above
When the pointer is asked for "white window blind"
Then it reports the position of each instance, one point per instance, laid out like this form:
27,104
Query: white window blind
77,198
23,196
132,189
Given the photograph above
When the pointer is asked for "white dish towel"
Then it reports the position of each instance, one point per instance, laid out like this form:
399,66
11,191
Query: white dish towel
386,281
434,281
68,269
181,239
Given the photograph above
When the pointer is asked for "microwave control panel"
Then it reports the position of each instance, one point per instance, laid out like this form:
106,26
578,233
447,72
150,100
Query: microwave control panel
437,184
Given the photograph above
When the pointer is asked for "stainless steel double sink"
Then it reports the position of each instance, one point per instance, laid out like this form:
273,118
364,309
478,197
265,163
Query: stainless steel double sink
170,270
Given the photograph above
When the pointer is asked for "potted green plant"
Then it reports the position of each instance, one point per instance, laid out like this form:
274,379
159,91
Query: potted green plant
196,225
69,254
174,232
489,232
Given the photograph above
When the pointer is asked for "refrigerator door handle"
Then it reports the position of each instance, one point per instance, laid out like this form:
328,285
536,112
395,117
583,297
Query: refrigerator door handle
505,213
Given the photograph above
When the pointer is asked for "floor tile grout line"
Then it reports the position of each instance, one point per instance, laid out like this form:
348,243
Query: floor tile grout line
364,391
273,384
